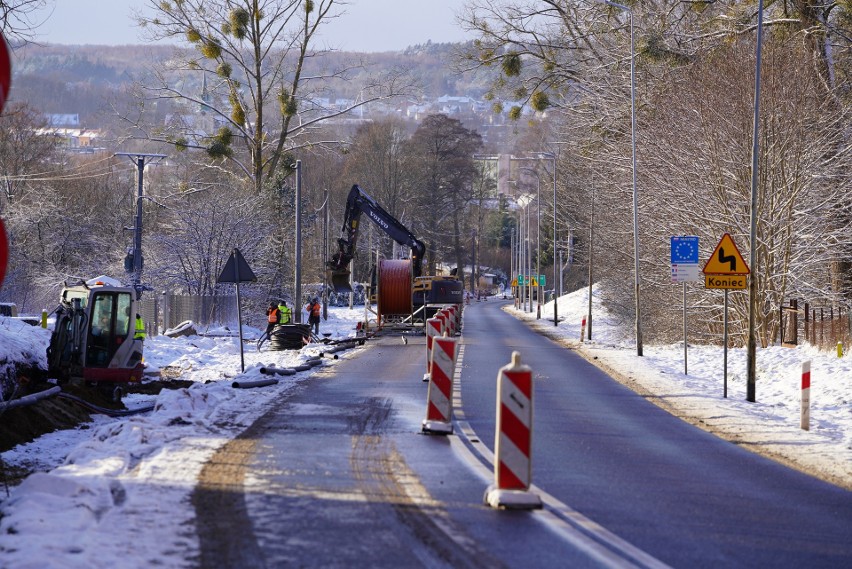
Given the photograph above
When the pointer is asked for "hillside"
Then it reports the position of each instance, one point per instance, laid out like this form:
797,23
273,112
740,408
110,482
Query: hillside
83,79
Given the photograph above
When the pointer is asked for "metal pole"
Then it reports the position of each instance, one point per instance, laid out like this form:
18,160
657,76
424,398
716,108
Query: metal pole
137,236
635,193
538,247
636,282
752,285
591,259
684,330
725,348
555,296
298,253
325,253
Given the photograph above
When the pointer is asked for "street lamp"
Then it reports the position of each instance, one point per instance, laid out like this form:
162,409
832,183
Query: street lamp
635,195
537,239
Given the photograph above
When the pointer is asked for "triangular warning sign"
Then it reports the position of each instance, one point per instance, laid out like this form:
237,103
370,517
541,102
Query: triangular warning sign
726,259
236,270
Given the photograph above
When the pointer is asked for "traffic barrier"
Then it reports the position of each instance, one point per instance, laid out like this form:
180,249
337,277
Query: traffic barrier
439,410
433,329
583,329
512,466
806,395
451,324
443,318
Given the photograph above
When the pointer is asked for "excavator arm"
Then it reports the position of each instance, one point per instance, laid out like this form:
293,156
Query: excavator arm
357,203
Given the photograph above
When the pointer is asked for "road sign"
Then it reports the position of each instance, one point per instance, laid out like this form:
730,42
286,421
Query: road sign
736,282
236,270
542,280
686,273
684,250
521,280
5,71
726,260
4,252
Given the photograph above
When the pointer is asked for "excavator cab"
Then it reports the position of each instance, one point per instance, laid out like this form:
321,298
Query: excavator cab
93,339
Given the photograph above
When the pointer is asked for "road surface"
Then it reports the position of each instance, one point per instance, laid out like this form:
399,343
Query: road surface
339,475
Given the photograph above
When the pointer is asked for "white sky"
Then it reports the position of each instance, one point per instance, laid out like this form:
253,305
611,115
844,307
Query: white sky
367,26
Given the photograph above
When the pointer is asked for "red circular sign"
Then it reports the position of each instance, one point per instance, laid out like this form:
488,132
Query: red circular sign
4,252
5,71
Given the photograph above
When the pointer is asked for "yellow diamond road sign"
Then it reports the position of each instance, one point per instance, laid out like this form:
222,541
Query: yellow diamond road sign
726,260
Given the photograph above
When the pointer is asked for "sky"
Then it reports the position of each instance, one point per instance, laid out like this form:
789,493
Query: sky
367,25
116,494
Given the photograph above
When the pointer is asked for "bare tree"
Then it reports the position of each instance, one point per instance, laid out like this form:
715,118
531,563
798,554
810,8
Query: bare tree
258,80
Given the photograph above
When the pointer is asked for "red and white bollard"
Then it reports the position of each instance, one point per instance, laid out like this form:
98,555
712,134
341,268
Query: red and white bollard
583,329
439,411
512,466
806,395
433,330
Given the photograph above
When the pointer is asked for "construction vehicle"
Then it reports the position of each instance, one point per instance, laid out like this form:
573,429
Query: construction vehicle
400,285
93,339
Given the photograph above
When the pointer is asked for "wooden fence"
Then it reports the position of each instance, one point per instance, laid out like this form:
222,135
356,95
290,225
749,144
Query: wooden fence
820,326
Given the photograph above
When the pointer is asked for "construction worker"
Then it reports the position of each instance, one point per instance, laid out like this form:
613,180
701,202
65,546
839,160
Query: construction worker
284,313
139,333
272,316
314,309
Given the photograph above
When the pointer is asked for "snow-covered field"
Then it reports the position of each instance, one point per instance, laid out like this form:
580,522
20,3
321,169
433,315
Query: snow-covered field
115,493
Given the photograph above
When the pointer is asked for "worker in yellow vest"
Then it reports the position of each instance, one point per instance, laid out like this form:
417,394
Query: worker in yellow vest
139,333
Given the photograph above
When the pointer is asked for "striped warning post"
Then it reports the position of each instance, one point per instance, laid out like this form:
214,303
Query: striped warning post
451,325
433,329
806,395
439,411
443,318
512,466
451,311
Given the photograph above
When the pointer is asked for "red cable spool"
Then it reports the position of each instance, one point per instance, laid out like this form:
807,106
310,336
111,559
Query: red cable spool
395,285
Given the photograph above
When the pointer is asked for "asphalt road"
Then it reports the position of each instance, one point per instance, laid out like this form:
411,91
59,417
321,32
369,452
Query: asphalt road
339,475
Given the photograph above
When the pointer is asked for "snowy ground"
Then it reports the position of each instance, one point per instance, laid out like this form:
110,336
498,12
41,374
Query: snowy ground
116,492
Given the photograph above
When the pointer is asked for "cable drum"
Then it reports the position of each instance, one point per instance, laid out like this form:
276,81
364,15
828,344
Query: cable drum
395,285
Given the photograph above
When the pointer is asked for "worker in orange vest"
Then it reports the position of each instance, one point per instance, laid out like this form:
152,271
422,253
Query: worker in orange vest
272,315
314,307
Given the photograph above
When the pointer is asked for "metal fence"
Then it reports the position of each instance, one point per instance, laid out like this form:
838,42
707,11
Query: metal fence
165,311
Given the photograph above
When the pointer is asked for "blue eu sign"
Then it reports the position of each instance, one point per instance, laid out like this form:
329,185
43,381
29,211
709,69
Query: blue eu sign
685,250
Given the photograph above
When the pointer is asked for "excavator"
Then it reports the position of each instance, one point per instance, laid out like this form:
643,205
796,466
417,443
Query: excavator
93,340
401,284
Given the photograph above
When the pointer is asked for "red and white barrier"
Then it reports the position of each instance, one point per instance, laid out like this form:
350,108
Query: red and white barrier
434,329
806,395
439,411
512,466
583,329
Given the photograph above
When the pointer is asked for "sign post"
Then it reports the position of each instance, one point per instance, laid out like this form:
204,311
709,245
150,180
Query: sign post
726,269
237,271
684,256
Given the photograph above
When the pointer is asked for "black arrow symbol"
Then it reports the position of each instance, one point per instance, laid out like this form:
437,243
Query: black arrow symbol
730,259
515,399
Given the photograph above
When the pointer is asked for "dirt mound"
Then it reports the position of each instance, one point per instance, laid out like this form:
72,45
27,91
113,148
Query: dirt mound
24,424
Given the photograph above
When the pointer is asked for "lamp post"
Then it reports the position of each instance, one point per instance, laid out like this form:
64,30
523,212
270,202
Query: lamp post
537,239
635,196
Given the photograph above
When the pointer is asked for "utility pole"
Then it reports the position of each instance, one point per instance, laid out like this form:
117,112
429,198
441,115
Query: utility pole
136,265
298,253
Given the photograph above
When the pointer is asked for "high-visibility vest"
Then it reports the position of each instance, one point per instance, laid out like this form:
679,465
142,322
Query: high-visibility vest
314,309
272,315
285,314
140,329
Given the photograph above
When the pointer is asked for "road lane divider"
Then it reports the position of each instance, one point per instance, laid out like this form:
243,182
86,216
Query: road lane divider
439,404
433,329
513,440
